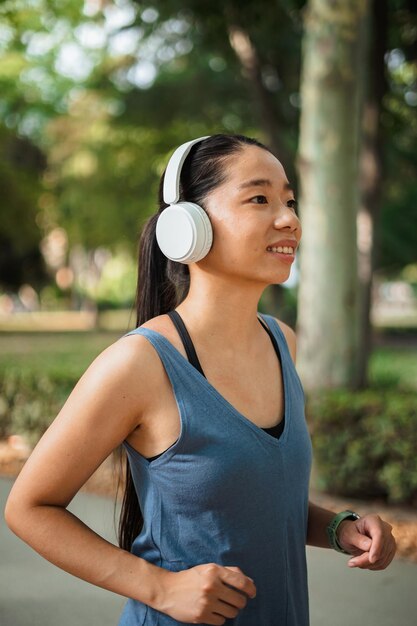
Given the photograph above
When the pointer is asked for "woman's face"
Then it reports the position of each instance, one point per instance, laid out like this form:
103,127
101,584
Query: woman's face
253,209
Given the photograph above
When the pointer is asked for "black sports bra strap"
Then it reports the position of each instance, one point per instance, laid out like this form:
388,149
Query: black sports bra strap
186,339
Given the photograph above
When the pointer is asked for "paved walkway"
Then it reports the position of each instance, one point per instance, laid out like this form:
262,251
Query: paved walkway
33,592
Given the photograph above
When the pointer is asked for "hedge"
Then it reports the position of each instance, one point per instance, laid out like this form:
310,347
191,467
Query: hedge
365,443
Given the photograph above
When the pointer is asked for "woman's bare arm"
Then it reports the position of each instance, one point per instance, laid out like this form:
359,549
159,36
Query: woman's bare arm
105,405
318,520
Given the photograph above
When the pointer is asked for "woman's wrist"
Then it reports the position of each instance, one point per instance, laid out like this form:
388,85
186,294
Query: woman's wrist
318,520
158,584
339,532
335,532
150,581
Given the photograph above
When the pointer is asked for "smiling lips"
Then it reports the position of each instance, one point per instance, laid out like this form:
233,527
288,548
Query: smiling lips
279,246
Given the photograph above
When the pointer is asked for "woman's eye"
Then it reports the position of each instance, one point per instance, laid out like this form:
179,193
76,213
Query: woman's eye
293,204
259,199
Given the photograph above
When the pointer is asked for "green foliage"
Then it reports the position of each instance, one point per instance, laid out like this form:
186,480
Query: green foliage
29,401
38,372
106,136
116,285
394,368
398,244
365,442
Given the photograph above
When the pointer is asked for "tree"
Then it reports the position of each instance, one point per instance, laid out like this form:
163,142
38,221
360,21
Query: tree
327,321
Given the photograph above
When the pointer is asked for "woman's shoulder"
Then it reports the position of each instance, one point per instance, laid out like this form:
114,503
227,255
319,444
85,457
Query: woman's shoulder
131,364
163,325
136,347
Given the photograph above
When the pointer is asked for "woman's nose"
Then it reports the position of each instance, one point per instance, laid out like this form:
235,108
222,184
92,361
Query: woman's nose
285,216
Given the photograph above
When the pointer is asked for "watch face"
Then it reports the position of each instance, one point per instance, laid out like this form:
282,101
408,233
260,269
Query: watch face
355,515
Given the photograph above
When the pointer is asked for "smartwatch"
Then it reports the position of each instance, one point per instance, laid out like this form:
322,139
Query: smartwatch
331,529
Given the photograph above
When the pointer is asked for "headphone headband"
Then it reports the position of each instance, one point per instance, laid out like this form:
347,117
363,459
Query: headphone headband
171,191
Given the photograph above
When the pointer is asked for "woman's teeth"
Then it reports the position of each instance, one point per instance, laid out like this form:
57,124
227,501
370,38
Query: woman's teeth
284,249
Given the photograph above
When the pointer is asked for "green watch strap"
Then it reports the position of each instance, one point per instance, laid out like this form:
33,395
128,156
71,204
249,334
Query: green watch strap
333,526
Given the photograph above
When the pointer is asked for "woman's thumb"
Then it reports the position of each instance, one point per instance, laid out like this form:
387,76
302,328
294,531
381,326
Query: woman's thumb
364,543
237,569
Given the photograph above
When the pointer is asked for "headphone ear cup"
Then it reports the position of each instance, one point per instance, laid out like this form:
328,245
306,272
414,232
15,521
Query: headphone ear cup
184,232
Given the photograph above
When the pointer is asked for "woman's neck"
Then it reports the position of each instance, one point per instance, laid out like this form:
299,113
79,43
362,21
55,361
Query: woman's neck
223,318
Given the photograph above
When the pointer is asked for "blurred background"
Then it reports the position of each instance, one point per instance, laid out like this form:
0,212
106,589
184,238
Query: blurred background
95,95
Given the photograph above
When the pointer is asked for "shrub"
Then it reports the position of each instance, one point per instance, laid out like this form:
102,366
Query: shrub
365,443
30,400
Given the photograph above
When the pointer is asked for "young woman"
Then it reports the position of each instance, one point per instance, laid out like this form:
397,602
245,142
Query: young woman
205,398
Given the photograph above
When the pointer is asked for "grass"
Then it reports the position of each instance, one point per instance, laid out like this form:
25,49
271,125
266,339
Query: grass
61,352
394,366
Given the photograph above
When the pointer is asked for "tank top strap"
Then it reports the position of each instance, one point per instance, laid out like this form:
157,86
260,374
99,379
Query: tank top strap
278,333
175,364
296,385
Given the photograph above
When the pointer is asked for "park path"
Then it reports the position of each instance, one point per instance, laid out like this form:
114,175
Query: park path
33,592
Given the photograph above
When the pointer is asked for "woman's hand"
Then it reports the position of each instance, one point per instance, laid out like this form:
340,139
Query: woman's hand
202,593
369,540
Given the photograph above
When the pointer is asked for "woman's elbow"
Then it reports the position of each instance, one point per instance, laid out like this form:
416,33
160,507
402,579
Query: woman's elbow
15,515
9,513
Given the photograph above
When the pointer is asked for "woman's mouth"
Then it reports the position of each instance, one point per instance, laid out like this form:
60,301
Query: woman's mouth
285,253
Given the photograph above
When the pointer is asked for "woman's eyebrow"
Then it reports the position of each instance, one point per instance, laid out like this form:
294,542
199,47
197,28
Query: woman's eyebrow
260,182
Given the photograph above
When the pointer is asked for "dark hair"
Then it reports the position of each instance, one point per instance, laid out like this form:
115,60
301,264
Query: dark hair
162,283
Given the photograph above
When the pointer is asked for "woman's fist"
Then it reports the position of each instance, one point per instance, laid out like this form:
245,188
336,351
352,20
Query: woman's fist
370,540
206,594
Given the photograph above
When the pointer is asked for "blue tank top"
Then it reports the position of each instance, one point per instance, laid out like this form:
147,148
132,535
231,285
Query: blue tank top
227,492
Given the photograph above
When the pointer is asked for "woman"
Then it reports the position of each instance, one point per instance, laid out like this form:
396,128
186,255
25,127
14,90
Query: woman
205,398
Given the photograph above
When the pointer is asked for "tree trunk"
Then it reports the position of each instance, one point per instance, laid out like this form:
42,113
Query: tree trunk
371,181
327,163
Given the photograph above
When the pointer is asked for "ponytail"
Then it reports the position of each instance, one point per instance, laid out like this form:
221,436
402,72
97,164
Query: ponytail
155,293
161,285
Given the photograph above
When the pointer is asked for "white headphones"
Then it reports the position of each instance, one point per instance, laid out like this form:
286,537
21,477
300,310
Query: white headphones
183,230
